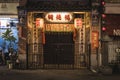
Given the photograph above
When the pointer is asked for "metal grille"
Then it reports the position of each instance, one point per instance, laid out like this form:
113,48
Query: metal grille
53,61
113,51
37,62
57,53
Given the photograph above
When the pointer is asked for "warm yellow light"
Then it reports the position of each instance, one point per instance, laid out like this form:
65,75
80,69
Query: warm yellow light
78,23
59,17
39,23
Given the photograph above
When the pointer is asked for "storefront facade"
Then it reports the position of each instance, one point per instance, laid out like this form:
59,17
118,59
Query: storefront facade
55,34
8,20
112,44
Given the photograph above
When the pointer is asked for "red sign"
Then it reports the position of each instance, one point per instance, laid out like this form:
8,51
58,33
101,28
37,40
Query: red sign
39,22
95,37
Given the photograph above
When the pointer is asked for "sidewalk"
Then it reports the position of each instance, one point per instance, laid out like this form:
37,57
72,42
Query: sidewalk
82,74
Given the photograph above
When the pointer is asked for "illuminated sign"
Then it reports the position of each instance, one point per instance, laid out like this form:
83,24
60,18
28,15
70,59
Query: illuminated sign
39,22
4,22
78,23
59,17
95,36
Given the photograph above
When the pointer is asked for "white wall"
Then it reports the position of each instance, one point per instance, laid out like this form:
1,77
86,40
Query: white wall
112,8
11,8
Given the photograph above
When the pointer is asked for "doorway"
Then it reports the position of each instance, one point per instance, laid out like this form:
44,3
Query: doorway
59,48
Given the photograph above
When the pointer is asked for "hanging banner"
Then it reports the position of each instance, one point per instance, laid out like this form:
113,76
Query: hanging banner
39,22
95,39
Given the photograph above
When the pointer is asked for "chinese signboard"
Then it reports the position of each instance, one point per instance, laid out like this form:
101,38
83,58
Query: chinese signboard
59,17
59,27
78,23
39,22
95,37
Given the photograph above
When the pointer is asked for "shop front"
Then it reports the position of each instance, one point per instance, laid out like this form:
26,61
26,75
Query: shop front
113,31
56,37
8,28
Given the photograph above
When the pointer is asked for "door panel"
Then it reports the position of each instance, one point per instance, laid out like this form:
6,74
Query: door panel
59,48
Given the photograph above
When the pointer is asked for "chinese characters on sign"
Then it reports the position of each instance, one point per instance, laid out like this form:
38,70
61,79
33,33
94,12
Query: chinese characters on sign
78,23
59,27
39,23
59,17
95,37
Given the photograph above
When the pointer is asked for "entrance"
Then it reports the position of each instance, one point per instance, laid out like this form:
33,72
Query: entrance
58,45
59,48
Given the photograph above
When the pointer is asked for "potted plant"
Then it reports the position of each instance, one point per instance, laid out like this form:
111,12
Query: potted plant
8,36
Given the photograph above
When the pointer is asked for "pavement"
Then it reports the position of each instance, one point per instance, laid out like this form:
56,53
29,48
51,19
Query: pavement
81,74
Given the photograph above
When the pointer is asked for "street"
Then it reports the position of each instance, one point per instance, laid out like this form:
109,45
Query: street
82,74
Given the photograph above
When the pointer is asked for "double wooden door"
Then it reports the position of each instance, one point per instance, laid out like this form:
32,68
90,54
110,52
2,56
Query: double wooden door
59,48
